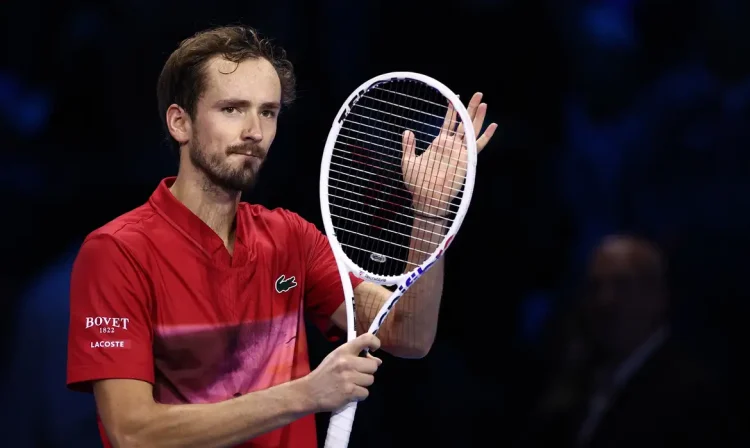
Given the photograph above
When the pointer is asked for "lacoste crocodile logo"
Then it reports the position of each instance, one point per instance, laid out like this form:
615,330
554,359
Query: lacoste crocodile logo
284,284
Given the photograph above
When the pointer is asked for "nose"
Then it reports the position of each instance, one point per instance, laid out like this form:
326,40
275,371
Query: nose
252,130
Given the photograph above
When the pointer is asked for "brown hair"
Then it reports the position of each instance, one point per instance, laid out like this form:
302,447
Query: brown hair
182,80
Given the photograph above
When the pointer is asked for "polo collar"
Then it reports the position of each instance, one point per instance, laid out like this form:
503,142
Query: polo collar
187,222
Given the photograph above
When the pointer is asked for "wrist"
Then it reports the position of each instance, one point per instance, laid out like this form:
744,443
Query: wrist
303,400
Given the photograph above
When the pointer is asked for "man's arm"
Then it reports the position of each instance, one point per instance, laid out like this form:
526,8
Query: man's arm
411,326
108,280
133,419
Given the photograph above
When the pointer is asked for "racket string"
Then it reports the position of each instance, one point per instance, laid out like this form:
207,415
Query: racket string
394,250
420,160
389,242
392,132
394,92
410,119
386,230
395,141
365,157
373,184
422,188
416,218
404,107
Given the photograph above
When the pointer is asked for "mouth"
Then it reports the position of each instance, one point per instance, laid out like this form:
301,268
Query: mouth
248,155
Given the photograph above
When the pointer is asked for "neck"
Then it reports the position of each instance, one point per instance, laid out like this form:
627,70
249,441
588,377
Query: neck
214,205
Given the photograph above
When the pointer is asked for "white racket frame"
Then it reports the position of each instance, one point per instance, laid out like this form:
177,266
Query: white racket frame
340,426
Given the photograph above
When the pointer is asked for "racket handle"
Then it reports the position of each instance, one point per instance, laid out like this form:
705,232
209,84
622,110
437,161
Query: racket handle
340,426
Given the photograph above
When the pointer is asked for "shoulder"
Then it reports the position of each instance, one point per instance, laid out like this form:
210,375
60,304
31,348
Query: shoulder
123,242
112,262
130,229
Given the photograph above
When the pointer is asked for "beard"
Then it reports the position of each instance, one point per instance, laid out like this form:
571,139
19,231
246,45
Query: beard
224,175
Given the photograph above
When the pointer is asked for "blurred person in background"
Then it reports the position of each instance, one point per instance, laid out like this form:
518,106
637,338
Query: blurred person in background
46,414
623,380
43,413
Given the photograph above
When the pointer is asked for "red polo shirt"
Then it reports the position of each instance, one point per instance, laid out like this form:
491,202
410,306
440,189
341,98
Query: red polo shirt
155,296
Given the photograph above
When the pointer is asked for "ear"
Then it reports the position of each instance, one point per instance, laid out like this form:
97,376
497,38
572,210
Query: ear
179,124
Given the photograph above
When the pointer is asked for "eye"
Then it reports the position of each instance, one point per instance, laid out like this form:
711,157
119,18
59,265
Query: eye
269,113
229,110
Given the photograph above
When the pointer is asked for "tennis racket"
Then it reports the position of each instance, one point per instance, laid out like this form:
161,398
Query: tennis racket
398,140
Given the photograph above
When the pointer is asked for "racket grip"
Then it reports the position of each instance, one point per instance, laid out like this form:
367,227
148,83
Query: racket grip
340,426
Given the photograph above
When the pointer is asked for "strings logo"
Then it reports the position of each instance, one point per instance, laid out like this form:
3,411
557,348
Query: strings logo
284,284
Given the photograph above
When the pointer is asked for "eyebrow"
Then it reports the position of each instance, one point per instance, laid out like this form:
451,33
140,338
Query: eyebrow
236,102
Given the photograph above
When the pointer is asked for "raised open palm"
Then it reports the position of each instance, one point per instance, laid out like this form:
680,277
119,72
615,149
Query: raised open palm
435,177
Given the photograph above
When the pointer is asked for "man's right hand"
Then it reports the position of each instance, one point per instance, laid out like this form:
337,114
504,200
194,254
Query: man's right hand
343,376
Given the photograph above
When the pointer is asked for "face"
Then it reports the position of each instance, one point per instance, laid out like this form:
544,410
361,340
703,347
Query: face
624,301
235,121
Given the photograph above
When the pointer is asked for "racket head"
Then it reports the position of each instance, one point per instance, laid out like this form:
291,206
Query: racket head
389,131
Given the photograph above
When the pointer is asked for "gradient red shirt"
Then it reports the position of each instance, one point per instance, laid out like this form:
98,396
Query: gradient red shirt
155,296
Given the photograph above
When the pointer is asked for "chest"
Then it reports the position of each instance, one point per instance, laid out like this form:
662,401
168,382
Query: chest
217,327
192,289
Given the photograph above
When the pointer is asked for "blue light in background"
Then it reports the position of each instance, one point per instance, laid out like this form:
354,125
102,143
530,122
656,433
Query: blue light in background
609,25
26,110
535,309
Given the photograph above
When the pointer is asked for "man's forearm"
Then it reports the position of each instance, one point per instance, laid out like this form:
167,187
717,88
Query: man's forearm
222,424
410,328
417,312
416,316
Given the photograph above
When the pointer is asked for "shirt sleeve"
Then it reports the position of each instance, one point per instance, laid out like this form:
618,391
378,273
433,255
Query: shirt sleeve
323,290
110,333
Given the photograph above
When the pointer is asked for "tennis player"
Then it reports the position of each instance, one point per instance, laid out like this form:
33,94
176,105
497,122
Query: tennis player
187,313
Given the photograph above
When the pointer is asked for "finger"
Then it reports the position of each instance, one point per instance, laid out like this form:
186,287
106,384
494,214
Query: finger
362,379
360,393
367,341
449,122
408,143
364,365
485,138
472,109
478,119
408,146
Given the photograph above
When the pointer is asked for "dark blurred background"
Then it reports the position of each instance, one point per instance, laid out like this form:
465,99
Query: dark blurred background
616,117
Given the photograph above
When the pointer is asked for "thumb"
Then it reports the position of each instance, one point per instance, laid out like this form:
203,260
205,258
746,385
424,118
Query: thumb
367,341
408,146
378,360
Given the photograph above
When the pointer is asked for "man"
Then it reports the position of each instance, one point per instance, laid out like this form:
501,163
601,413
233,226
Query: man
626,382
187,313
